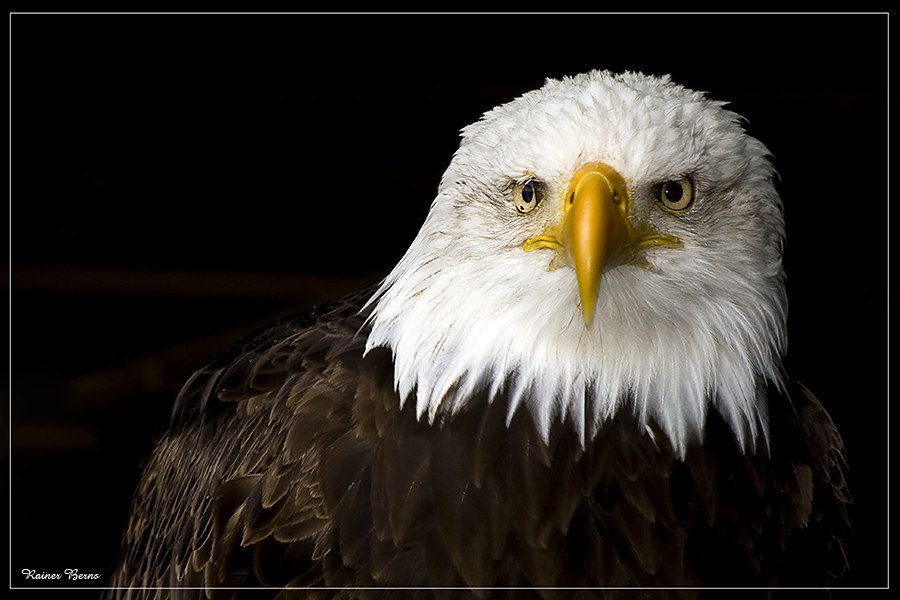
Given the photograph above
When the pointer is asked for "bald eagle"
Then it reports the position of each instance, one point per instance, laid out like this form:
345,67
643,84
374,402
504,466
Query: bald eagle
572,379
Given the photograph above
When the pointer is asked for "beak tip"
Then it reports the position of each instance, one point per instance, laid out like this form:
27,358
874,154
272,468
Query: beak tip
588,313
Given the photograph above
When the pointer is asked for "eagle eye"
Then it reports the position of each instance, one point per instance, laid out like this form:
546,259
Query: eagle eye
527,196
676,196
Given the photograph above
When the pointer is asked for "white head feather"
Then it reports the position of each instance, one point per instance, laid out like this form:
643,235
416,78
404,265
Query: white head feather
467,309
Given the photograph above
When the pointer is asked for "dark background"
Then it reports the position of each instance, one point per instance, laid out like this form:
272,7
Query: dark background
179,180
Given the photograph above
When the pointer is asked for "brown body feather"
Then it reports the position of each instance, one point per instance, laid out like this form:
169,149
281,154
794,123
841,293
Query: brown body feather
289,463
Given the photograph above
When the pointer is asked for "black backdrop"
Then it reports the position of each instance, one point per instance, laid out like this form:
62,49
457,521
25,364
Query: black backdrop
178,180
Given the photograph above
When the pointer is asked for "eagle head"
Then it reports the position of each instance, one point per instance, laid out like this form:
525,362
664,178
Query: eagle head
604,243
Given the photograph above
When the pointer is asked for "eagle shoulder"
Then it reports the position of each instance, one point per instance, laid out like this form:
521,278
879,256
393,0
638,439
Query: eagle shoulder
255,480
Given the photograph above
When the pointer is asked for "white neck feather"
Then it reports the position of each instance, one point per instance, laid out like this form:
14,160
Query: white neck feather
457,326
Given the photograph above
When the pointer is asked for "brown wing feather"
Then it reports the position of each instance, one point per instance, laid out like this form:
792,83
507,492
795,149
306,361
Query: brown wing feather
289,462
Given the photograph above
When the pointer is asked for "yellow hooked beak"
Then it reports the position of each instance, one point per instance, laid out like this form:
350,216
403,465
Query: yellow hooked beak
595,233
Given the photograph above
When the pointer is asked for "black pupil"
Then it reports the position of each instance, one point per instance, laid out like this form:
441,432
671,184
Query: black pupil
527,194
673,192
